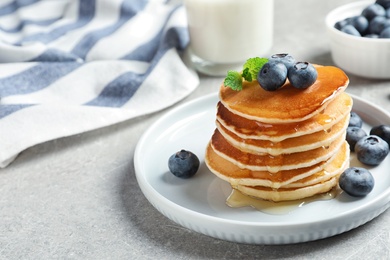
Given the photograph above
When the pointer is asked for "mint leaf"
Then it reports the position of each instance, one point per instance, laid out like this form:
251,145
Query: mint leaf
252,67
233,80
247,75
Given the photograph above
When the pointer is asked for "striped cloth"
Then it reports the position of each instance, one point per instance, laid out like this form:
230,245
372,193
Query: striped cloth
71,66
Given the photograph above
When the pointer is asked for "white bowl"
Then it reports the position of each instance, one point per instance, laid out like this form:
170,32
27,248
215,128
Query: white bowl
365,57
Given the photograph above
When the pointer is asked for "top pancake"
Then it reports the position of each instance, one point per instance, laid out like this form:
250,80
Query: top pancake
287,104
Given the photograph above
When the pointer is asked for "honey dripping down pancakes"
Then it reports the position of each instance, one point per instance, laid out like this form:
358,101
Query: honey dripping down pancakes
286,144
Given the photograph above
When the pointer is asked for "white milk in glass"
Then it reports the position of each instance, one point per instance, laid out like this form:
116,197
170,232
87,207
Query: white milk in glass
225,33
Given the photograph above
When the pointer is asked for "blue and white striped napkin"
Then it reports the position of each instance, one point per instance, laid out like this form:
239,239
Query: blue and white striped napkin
70,66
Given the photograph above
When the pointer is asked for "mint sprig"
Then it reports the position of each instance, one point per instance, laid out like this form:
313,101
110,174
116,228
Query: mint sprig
249,73
233,80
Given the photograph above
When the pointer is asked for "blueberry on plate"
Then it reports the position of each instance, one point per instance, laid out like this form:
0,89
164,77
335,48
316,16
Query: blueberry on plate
371,150
355,120
284,58
383,131
183,164
302,75
356,181
272,75
354,134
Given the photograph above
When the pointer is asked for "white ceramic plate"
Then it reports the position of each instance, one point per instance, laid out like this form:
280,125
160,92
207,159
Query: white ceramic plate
199,203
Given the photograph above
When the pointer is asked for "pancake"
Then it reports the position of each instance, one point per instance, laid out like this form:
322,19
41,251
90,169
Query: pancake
289,104
338,164
300,177
322,138
286,194
256,162
251,129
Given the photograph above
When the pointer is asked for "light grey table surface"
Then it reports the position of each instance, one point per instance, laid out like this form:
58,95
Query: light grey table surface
78,198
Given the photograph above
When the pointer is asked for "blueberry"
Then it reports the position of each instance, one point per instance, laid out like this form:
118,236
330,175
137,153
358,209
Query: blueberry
183,164
384,3
373,10
385,33
373,36
371,150
360,23
285,58
354,134
350,29
356,181
377,24
383,131
272,75
355,120
302,75
342,23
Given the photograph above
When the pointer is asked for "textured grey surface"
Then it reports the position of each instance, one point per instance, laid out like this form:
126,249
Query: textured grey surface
77,197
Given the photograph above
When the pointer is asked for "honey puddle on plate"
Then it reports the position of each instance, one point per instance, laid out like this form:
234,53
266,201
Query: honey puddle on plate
237,200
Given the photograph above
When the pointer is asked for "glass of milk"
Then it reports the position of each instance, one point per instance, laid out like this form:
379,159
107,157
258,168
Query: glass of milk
225,33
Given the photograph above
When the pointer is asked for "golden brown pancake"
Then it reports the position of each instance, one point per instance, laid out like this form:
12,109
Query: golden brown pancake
322,138
246,128
285,194
287,104
337,165
299,177
256,162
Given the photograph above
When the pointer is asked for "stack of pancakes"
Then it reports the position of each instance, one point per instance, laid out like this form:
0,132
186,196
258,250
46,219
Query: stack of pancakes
282,145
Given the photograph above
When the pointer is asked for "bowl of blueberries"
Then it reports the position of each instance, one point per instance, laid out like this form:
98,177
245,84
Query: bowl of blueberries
359,36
